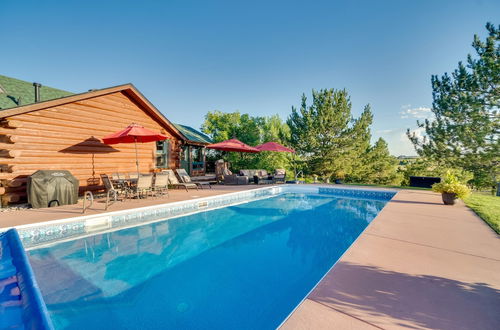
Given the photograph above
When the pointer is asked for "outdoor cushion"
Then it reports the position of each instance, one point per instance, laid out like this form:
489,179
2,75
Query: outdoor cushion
252,173
279,171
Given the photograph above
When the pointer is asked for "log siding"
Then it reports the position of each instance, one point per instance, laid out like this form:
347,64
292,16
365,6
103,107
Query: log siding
68,136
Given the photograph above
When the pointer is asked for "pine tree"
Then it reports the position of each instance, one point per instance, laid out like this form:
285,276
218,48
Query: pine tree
466,128
360,146
325,135
381,165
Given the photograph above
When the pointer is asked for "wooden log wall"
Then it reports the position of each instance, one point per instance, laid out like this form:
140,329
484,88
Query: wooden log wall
69,137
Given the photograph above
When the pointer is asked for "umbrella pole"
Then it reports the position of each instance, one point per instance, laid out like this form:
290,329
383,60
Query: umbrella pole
136,156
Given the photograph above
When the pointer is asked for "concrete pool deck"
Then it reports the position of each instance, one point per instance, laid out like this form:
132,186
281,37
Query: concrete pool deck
28,216
419,264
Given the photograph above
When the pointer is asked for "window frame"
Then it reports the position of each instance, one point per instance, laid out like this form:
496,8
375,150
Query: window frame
164,154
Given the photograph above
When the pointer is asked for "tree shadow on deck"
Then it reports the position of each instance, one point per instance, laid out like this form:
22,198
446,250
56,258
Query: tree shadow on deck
414,301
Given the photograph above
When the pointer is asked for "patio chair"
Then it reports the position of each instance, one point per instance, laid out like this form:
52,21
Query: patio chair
119,179
118,176
173,181
220,166
112,190
160,185
187,179
279,175
133,175
144,186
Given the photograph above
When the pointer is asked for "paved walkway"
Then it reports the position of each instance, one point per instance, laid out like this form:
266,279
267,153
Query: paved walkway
419,264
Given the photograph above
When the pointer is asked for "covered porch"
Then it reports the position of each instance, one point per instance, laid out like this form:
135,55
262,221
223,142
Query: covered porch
193,152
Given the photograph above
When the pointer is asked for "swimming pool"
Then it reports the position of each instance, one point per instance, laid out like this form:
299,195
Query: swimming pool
242,266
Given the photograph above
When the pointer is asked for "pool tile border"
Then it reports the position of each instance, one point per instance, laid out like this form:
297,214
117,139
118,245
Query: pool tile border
52,231
360,193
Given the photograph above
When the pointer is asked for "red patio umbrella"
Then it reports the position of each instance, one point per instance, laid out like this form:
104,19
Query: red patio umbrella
233,145
273,146
132,134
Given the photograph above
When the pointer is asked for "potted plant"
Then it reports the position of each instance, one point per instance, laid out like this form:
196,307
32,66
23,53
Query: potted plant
450,189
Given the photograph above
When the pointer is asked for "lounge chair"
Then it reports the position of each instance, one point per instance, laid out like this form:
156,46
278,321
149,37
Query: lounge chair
144,186
173,181
279,176
187,179
161,184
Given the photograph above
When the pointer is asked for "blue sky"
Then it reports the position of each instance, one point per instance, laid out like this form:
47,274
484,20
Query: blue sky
258,57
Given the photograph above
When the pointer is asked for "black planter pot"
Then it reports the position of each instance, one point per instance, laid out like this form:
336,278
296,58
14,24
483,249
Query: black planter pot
449,198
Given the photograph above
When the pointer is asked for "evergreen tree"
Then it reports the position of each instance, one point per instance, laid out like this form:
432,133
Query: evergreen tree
382,167
465,131
360,146
325,134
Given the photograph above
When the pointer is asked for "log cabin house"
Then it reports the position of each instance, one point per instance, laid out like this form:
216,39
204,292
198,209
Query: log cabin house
47,128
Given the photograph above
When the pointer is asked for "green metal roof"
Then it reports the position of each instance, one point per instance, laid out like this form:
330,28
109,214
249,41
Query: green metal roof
15,92
192,134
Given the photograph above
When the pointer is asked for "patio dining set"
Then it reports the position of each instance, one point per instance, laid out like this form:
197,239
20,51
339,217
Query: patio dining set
151,184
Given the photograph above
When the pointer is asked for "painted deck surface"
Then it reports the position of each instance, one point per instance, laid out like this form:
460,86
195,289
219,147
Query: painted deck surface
419,264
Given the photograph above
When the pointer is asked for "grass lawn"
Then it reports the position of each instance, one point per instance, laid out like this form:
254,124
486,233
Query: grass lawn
487,207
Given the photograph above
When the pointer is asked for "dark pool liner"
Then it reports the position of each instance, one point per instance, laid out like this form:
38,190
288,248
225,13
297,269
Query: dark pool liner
35,314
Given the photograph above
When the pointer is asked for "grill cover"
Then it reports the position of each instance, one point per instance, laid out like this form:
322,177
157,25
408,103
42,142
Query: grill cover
49,188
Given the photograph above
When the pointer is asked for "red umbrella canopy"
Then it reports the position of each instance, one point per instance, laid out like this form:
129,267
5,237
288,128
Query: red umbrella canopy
273,146
133,133
233,145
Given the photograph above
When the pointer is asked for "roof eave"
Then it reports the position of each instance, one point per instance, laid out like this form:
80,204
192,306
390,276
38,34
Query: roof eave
130,89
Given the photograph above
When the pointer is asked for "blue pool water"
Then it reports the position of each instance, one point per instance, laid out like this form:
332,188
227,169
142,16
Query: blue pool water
243,266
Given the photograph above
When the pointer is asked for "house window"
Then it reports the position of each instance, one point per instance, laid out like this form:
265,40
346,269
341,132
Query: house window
185,154
162,153
197,154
